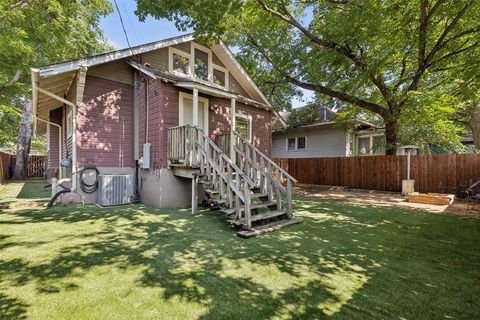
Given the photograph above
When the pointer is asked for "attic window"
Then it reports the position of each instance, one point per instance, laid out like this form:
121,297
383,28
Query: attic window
179,61
219,77
181,64
201,64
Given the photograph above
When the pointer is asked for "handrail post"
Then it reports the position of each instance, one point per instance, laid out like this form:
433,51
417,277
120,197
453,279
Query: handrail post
289,199
248,213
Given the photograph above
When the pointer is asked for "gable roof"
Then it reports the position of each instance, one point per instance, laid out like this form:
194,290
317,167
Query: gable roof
220,49
58,78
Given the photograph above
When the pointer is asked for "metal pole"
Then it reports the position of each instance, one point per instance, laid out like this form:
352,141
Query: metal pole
408,164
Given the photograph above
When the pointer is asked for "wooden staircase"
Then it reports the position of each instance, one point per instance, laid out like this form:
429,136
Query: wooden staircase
253,192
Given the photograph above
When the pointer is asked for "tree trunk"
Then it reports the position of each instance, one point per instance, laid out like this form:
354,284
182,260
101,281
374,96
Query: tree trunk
391,131
474,124
24,141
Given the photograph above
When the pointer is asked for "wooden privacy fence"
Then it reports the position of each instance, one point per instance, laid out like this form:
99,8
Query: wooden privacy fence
36,165
4,164
446,173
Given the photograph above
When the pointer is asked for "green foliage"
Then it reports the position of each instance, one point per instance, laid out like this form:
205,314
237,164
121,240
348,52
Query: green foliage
304,115
39,32
370,54
347,260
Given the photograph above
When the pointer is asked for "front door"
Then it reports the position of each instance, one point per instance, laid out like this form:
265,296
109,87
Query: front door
186,111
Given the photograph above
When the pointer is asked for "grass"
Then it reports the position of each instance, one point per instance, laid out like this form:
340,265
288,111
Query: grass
344,261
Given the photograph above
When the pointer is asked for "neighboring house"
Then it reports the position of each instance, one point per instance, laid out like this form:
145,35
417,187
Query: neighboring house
106,110
326,137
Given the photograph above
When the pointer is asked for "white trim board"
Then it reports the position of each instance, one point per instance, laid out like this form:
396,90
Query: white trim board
184,95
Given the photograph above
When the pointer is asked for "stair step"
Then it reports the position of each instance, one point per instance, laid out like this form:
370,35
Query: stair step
258,195
252,207
205,182
212,191
219,201
262,205
268,227
260,216
228,211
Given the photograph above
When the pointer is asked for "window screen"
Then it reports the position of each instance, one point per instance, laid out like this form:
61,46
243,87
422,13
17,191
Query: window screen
301,143
379,145
291,144
364,145
201,64
219,77
181,64
242,126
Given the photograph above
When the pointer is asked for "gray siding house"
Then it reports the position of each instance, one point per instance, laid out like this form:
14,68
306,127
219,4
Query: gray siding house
328,138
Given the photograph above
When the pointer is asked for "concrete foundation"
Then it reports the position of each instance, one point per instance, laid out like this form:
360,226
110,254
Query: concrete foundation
161,189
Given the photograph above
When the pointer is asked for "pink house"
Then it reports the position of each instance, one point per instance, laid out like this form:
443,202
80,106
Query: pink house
192,109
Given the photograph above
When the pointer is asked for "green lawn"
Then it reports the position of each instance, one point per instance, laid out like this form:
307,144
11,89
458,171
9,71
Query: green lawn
344,261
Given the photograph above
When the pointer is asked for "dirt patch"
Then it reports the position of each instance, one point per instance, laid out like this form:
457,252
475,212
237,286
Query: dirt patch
384,199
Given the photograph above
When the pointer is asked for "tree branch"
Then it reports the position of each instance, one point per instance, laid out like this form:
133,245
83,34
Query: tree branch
14,80
345,51
373,107
425,62
441,40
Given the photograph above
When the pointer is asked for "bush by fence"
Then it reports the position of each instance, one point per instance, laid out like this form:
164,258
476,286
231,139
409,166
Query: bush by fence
446,173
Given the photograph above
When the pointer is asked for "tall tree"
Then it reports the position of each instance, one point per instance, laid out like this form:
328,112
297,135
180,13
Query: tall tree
34,33
369,53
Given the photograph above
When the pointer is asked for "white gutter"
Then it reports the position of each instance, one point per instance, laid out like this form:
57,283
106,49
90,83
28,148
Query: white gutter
59,68
60,151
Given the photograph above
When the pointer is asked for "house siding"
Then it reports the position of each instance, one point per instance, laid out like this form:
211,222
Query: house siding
220,120
55,116
157,59
162,114
321,142
118,71
105,124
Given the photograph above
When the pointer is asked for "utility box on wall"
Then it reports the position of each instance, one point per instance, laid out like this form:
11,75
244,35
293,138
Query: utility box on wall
146,156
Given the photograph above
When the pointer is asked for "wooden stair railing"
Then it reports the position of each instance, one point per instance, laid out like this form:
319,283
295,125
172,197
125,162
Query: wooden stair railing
249,192
263,171
190,147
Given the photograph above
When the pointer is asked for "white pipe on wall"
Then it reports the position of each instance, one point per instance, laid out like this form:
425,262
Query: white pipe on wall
59,138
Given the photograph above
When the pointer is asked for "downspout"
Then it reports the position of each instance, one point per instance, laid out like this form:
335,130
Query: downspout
60,151
147,92
81,75
59,137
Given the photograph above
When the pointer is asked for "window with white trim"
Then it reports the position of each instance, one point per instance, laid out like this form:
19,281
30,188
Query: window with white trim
374,144
201,66
179,61
291,144
243,126
297,143
220,76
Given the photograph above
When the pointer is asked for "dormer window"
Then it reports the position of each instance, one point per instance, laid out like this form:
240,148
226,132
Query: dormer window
197,64
201,64
179,61
220,76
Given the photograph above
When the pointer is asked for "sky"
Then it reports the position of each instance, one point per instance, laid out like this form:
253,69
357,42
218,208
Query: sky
144,32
